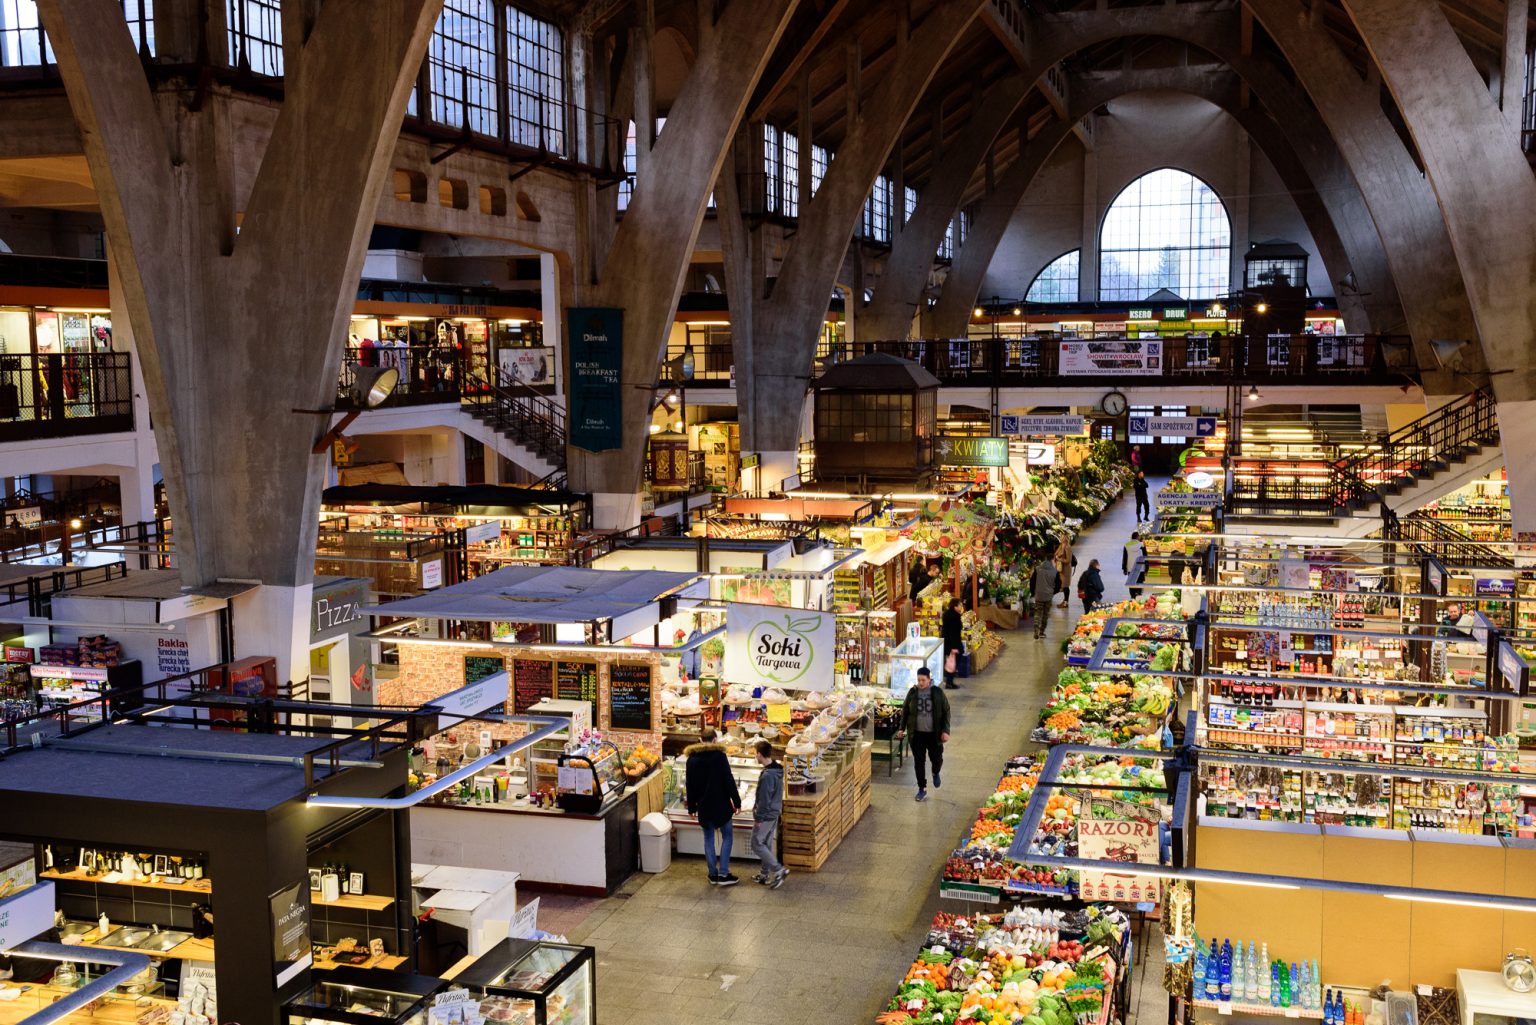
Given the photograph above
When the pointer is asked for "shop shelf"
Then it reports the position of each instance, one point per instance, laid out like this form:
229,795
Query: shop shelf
360,901
202,886
1235,1007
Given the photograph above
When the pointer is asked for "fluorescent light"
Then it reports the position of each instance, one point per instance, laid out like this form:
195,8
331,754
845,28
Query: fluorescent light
1491,905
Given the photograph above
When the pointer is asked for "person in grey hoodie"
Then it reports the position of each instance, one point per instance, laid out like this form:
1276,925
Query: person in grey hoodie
766,809
1045,582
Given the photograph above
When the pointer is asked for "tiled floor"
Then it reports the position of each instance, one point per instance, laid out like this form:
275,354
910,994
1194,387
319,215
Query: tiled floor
829,946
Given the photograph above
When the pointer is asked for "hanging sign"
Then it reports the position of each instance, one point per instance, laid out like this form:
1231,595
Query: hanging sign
290,932
792,649
1176,426
490,530
954,450
1111,358
595,341
1131,840
26,915
1190,499
1049,425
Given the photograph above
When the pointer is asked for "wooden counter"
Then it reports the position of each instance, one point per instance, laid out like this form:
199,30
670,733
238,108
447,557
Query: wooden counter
812,826
188,950
117,1010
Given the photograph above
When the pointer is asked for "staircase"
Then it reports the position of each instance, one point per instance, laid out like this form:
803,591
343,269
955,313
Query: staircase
521,424
1402,471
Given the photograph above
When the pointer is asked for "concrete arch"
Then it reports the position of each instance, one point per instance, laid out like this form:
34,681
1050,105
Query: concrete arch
1222,89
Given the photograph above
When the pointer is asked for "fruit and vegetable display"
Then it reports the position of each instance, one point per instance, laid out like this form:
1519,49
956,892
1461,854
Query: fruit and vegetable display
1029,966
1106,710
1085,636
980,860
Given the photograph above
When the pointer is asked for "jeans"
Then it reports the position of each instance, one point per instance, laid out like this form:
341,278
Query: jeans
764,837
1042,614
926,744
720,866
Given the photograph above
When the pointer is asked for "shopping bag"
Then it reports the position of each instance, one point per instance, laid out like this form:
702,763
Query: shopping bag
951,661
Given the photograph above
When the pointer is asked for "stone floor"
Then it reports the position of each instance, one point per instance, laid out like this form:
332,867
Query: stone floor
829,946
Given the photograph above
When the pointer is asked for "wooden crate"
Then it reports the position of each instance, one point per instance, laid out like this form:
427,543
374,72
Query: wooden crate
814,825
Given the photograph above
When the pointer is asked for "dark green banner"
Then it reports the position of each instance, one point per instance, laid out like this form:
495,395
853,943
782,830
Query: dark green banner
954,450
595,343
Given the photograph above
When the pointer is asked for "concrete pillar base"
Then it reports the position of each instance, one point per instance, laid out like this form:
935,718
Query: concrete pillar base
615,510
274,620
776,465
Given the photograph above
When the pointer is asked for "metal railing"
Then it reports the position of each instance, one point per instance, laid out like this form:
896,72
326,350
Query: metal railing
1443,541
1001,361
1429,443
57,395
519,413
37,591
428,373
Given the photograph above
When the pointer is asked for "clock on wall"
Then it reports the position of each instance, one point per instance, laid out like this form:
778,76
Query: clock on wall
1114,404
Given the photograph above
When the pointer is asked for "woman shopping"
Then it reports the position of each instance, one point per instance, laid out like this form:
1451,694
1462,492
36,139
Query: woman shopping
953,629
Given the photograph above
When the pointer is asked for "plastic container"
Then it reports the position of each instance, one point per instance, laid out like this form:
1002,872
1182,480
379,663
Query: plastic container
655,843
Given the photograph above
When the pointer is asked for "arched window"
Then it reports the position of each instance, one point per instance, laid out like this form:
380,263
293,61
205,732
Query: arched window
1167,229
1057,282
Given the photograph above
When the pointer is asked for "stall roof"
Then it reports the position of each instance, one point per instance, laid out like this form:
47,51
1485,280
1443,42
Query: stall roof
877,371
542,594
491,496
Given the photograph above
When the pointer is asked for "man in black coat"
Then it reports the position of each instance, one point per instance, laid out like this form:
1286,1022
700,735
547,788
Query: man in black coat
712,798
925,717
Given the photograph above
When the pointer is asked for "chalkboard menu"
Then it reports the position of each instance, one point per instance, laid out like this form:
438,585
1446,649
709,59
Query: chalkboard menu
577,681
629,696
531,683
478,667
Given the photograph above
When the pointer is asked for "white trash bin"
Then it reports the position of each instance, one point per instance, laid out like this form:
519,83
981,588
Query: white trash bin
655,842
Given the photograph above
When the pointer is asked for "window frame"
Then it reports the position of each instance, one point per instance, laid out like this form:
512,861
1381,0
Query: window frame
1041,279
1203,256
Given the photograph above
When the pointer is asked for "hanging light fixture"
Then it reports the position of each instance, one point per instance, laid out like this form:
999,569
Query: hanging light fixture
1253,392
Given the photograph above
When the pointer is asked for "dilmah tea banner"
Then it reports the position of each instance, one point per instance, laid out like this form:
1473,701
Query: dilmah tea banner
791,649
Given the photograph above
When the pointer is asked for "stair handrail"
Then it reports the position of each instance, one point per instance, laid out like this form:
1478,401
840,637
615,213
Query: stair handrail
534,418
1447,543
1435,436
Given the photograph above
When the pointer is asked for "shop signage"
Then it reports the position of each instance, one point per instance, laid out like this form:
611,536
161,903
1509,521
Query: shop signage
1512,668
432,574
1176,313
952,450
337,607
1131,840
466,311
18,654
473,699
792,649
482,532
1139,313
1033,425
1123,357
1039,455
173,656
577,681
1434,575
1495,587
1185,426
478,667
1189,499
595,341
74,674
630,697
1480,628
532,682
525,921
750,459
290,931
26,915
30,516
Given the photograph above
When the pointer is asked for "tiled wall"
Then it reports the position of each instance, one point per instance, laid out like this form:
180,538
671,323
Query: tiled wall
169,909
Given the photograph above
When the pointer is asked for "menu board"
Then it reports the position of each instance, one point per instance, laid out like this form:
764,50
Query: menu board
577,681
629,696
478,667
532,682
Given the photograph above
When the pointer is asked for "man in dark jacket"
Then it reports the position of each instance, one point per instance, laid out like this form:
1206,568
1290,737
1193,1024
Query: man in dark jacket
952,627
712,798
1090,587
925,716
766,809
1143,506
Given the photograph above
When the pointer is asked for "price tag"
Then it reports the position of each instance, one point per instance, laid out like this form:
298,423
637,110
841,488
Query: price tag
1293,1012
1224,1008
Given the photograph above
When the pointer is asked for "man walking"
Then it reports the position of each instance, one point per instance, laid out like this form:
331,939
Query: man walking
1129,556
766,809
1143,506
1044,584
1090,587
925,716
712,798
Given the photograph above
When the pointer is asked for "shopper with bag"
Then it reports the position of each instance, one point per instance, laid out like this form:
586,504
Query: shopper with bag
1044,584
953,629
1090,587
925,717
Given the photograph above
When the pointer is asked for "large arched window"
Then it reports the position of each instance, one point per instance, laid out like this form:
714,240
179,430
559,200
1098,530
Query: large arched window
1057,281
1167,229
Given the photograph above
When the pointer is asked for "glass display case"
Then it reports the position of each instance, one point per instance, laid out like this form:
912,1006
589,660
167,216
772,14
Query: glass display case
587,777
363,996
534,982
910,656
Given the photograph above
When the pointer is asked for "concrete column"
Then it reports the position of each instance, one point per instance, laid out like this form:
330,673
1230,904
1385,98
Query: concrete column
274,620
136,485
1517,436
1088,259
223,364
644,270
1517,27
776,466
549,307
1237,207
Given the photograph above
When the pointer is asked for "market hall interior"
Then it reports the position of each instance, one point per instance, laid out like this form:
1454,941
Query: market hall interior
446,414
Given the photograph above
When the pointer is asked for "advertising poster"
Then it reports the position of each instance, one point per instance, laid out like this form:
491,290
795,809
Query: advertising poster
791,649
596,345
1131,840
528,366
290,931
952,450
1112,357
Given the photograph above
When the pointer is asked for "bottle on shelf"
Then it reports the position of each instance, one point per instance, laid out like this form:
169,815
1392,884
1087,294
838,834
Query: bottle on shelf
1265,982
1226,970
1251,975
1213,973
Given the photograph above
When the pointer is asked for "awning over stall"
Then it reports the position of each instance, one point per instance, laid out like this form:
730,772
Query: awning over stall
490,496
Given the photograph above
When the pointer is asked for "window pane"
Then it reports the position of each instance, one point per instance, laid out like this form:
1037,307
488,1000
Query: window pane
461,65
1057,283
256,36
1167,229
789,174
535,83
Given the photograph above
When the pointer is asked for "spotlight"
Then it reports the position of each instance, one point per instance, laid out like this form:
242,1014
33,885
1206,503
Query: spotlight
1253,392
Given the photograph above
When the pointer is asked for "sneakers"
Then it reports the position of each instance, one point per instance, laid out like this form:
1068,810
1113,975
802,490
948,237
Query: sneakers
714,880
951,686
726,880
778,879
760,879
937,783
922,794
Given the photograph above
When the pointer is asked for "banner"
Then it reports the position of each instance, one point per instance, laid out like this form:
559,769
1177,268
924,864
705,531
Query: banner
1049,425
1112,358
595,341
791,649
1189,499
530,366
952,450
290,932
1131,840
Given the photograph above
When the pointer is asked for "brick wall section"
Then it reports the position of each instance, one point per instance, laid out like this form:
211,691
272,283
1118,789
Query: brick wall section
427,670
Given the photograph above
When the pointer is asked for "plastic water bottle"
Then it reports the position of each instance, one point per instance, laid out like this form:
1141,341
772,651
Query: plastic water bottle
1251,976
